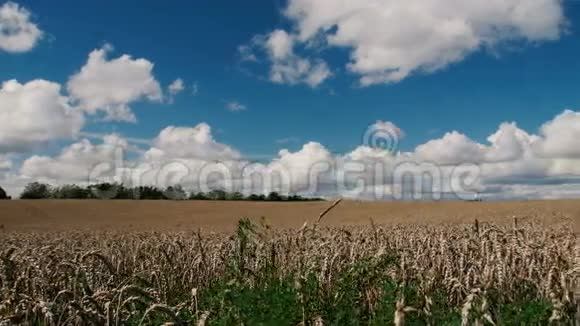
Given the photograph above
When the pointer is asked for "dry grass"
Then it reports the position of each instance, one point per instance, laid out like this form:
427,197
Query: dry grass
222,216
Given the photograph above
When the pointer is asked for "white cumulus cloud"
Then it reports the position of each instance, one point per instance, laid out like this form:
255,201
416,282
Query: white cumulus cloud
34,113
79,162
453,148
280,44
561,136
110,86
189,143
5,163
235,106
176,87
389,40
511,164
287,67
17,32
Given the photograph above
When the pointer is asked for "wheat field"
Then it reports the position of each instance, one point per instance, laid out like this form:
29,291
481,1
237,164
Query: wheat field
416,264
217,216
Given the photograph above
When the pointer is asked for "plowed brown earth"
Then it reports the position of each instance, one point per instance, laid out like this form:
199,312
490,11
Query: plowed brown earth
58,215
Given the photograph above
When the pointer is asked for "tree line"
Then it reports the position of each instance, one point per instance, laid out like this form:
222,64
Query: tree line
38,190
3,194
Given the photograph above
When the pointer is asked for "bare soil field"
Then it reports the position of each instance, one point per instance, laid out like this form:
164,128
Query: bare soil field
63,215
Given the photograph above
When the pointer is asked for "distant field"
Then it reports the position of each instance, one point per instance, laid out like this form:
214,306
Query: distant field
20,215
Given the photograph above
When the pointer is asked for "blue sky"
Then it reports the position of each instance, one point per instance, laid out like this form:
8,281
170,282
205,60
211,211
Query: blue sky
197,41
528,77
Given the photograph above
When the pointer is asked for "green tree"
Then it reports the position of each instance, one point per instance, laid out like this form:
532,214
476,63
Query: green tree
198,196
36,190
71,192
3,194
217,195
104,190
235,196
148,193
254,197
175,193
274,196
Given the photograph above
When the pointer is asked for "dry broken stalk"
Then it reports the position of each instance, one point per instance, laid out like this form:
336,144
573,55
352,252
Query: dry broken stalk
326,211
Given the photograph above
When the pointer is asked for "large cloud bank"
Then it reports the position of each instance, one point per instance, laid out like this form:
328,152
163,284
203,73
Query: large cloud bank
389,40
511,164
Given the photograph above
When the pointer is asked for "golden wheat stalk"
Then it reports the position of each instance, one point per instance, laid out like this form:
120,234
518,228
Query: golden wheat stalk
576,272
326,211
118,278
577,277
